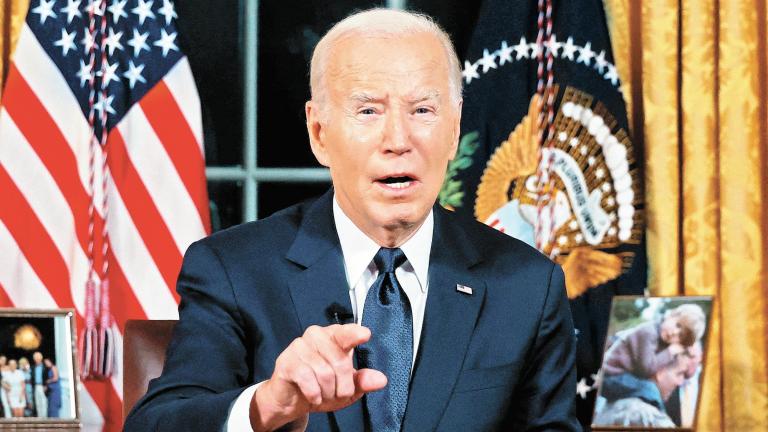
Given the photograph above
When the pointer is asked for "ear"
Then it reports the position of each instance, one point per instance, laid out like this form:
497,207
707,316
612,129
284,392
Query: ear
456,131
316,132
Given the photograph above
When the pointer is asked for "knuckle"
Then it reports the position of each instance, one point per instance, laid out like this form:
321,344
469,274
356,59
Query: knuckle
345,391
294,345
284,367
299,345
284,360
303,374
312,331
325,374
311,394
283,374
342,365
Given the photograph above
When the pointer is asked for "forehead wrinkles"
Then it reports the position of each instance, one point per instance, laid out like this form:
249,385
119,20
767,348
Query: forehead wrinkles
352,64
359,82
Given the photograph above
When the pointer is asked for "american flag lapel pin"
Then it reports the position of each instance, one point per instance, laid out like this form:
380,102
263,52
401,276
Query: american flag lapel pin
464,289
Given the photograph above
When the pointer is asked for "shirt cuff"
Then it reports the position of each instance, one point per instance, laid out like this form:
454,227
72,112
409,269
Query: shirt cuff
239,419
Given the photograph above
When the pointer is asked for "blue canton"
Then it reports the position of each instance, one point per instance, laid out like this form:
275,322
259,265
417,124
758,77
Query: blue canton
141,45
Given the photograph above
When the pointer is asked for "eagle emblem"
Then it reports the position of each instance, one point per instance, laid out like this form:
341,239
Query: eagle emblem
589,206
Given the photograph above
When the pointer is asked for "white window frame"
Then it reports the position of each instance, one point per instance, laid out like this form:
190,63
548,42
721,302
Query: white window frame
250,173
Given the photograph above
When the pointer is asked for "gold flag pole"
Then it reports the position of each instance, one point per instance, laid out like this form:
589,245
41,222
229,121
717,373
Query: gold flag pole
12,14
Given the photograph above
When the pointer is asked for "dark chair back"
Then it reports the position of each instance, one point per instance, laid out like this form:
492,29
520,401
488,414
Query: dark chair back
144,344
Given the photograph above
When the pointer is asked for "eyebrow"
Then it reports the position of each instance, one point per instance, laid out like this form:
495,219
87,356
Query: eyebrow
421,97
429,95
364,98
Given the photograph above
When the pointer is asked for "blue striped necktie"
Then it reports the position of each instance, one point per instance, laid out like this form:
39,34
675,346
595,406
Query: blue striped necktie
387,313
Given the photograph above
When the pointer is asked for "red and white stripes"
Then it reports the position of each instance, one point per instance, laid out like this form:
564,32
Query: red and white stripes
153,186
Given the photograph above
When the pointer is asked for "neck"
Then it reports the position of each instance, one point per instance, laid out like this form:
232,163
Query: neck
388,236
392,237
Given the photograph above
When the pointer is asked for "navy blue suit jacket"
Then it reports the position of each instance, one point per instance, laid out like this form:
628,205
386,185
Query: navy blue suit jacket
501,358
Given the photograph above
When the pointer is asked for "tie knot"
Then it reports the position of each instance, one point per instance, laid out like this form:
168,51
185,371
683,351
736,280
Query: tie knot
388,259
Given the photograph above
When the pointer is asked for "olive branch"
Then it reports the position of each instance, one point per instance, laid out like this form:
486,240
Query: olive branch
451,193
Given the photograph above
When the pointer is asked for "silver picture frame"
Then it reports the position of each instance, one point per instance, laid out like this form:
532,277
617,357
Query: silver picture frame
40,343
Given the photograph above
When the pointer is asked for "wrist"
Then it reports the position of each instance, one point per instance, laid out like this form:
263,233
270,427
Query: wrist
265,413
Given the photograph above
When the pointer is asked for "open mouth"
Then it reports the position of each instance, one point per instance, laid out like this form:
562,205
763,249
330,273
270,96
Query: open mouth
397,182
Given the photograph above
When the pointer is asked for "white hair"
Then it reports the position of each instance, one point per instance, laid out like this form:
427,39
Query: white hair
381,22
632,411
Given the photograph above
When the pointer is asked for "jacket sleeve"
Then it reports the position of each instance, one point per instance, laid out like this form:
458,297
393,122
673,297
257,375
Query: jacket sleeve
545,397
205,367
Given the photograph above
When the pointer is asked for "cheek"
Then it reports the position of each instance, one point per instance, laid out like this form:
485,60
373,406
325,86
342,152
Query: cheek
436,154
347,155
362,136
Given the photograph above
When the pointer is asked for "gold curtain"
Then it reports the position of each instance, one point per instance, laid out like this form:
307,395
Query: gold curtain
12,14
699,103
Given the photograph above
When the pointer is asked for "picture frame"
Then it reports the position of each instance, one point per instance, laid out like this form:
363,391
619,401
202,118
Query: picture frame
39,378
653,363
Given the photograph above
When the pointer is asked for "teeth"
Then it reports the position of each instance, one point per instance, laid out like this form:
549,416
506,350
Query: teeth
401,185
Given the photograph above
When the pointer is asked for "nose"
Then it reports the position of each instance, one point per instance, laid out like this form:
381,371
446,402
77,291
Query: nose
397,136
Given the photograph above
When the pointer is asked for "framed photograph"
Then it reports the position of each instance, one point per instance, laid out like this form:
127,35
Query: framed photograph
38,371
653,363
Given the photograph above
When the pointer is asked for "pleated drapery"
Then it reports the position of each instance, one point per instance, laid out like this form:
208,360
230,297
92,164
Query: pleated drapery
695,79
696,73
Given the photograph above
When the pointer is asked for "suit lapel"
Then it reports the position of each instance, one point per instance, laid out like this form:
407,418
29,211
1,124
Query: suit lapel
449,321
450,316
321,290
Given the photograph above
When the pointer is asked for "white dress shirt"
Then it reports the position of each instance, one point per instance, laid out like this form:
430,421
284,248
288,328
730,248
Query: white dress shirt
689,391
358,250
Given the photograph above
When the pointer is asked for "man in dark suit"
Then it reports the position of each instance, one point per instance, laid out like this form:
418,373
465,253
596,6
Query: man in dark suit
370,308
39,388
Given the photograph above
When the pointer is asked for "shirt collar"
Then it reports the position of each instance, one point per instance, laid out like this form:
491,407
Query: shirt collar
359,249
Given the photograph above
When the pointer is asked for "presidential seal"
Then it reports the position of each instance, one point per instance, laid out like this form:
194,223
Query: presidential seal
575,197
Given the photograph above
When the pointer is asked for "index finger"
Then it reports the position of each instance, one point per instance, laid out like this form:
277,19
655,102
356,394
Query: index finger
348,336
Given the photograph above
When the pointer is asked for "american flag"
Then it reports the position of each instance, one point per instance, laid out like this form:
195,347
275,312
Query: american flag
91,62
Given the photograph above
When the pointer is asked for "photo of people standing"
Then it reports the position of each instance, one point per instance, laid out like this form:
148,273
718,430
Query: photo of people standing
30,391
30,380
652,365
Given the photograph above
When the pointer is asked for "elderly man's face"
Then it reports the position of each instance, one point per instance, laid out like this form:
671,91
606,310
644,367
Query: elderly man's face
694,360
670,377
389,127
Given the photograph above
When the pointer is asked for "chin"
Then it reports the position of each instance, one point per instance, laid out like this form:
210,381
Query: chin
397,222
402,215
